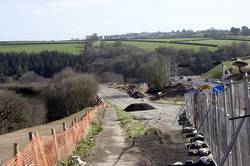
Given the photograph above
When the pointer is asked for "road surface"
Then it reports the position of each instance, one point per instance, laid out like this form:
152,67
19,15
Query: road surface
168,145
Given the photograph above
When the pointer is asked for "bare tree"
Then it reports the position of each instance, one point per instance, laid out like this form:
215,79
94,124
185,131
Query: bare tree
11,111
68,93
112,77
156,73
30,77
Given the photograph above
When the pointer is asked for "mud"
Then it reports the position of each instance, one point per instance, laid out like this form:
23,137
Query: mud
160,149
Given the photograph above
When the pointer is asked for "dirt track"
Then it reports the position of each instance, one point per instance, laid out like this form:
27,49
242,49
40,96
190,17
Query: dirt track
166,145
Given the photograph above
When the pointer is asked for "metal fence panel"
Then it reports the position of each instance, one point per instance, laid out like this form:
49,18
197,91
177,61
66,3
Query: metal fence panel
210,113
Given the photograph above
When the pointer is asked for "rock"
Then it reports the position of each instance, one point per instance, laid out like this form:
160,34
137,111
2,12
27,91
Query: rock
178,163
78,160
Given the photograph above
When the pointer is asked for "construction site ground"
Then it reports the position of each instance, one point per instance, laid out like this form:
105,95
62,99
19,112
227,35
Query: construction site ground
165,145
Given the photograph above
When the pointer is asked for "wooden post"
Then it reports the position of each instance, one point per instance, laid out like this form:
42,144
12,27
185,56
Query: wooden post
30,136
16,149
72,123
33,146
64,126
89,123
65,133
16,152
45,162
53,132
75,120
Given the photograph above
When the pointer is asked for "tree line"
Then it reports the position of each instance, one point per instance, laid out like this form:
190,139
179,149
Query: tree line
119,60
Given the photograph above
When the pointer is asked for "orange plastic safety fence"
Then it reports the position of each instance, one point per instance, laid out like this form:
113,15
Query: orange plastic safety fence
48,150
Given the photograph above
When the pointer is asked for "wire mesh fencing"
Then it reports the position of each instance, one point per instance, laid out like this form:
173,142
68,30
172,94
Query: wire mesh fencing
221,117
48,150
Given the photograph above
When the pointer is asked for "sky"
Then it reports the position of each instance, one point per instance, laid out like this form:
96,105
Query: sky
66,19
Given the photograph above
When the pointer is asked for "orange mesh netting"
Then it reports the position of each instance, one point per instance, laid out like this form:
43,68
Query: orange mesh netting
48,150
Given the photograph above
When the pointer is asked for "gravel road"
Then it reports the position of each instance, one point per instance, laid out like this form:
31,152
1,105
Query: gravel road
168,144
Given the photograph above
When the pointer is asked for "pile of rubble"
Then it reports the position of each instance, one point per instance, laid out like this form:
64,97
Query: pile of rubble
172,91
137,91
196,145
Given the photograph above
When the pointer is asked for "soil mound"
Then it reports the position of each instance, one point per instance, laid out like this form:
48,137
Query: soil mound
138,107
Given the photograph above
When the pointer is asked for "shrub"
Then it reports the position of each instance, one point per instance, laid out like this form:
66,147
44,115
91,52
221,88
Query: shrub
112,77
30,77
11,111
17,112
68,93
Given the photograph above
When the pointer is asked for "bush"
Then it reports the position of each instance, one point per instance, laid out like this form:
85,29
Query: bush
17,112
30,77
112,77
69,93
155,72
11,111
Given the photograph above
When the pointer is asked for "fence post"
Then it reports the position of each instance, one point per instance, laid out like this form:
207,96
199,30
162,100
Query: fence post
45,162
16,153
33,146
16,149
64,126
195,110
65,134
89,123
30,136
233,127
53,132
218,127
226,115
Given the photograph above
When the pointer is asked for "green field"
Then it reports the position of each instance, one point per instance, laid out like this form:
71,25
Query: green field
74,48
175,39
239,37
151,46
216,42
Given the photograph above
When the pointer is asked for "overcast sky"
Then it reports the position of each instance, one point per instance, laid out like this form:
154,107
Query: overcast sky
65,19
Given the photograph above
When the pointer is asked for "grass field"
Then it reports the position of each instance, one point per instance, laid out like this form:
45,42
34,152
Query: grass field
74,48
151,46
216,42
175,39
239,37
